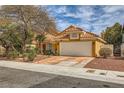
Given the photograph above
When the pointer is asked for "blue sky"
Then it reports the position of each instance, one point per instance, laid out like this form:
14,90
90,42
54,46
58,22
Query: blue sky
91,18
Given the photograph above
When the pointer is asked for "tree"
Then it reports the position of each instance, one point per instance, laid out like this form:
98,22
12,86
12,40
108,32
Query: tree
10,38
29,18
113,35
40,39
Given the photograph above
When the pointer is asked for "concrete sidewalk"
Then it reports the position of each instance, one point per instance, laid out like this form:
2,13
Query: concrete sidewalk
86,73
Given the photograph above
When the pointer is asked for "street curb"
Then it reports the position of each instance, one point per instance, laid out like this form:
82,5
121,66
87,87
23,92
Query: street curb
111,76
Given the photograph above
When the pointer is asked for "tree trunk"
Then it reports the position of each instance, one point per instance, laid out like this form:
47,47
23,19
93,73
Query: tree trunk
41,48
6,51
24,46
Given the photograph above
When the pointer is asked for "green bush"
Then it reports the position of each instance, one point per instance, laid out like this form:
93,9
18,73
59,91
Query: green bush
49,52
2,51
105,52
13,54
30,54
37,50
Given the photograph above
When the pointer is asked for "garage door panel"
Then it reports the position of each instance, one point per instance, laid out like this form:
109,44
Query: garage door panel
76,48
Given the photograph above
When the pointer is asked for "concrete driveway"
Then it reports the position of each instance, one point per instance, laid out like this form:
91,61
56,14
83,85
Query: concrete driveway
63,60
15,78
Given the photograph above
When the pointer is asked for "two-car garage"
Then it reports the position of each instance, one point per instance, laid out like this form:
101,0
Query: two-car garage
76,48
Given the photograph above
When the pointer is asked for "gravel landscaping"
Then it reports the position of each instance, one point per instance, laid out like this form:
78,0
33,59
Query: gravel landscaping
115,64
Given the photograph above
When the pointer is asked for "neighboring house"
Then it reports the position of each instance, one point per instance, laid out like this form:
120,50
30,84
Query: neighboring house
49,43
74,41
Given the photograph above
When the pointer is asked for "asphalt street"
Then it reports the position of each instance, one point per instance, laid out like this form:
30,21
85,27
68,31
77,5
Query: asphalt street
15,78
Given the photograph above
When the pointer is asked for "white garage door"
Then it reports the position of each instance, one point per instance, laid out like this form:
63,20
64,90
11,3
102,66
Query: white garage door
76,48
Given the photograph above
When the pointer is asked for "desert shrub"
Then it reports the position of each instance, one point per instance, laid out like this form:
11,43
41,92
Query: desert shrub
30,54
2,51
49,52
1,54
105,52
13,54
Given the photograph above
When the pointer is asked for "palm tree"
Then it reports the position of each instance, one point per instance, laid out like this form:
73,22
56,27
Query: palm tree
40,38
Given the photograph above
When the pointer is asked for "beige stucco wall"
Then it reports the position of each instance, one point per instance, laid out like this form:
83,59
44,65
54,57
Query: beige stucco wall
122,49
97,47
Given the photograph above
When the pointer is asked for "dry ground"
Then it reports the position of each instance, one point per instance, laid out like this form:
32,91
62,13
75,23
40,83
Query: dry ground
115,64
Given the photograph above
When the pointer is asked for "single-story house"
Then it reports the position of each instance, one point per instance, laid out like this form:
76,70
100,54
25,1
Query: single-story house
74,41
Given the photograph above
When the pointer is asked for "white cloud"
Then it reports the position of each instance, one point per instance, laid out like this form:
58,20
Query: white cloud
55,11
61,9
112,9
73,15
86,12
94,19
62,24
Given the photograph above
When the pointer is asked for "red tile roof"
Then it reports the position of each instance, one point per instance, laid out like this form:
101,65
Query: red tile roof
84,35
72,28
64,35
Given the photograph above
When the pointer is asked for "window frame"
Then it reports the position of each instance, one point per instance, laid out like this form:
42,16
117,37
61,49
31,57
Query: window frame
74,37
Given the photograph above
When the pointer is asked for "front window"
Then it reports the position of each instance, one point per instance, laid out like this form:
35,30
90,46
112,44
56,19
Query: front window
74,36
49,47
